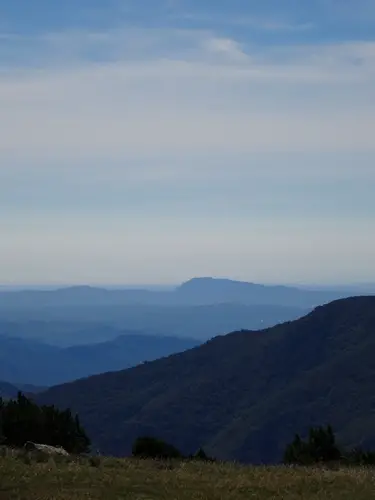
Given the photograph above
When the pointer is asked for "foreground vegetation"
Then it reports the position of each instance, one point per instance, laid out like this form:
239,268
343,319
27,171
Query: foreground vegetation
25,477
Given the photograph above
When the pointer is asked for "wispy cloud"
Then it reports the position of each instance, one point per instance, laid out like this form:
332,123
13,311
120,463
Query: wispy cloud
274,25
178,91
258,23
225,47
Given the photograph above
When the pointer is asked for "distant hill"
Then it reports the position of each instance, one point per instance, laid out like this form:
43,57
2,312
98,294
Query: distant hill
200,308
74,325
202,290
10,391
198,291
24,360
7,390
244,395
38,325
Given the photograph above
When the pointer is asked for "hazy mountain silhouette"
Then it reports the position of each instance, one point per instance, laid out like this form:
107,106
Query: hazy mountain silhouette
201,308
198,291
244,395
224,290
7,390
10,391
73,325
40,364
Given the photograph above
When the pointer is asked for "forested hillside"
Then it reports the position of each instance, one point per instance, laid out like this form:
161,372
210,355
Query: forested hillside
242,396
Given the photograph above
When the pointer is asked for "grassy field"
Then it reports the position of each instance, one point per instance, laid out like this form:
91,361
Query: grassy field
23,479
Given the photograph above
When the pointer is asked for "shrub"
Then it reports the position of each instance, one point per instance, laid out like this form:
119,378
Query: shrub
360,457
149,447
202,456
95,461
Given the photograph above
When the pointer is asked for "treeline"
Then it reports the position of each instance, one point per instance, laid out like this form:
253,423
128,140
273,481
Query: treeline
151,448
22,420
320,446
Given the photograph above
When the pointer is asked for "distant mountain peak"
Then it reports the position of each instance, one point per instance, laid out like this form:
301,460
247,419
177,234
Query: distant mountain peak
212,281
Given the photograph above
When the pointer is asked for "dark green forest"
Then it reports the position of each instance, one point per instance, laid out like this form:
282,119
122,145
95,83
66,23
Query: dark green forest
21,421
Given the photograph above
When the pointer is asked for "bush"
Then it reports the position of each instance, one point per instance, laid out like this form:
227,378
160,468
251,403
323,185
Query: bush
95,461
40,457
360,457
202,456
26,458
149,447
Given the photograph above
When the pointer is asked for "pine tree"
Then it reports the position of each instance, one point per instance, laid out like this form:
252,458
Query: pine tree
21,420
319,447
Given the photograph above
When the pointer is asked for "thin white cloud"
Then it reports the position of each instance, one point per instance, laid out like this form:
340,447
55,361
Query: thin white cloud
276,16
185,92
268,24
264,24
227,48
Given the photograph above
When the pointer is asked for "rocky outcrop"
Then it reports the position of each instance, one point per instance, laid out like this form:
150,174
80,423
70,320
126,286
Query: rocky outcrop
45,448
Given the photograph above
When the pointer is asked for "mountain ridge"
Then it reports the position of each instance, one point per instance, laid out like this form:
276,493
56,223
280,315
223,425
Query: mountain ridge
197,291
243,395
42,364
10,391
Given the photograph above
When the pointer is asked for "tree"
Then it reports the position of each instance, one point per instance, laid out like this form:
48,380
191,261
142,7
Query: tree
320,446
295,451
201,455
2,437
22,420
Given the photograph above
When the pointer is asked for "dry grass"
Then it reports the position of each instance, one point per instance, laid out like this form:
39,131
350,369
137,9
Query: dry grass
23,478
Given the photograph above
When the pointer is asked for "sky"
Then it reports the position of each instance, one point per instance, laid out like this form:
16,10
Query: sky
151,141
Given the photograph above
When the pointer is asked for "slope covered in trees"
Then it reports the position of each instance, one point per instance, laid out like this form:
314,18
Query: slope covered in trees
244,395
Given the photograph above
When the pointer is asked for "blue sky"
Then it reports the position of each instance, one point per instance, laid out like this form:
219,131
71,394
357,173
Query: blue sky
152,141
